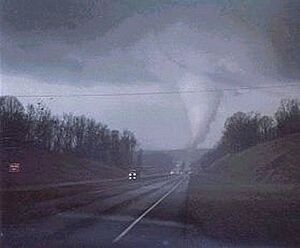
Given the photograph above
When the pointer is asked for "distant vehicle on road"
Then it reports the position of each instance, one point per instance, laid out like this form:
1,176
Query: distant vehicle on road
133,175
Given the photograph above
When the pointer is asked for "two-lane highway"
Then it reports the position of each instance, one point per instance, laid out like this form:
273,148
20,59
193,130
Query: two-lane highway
146,213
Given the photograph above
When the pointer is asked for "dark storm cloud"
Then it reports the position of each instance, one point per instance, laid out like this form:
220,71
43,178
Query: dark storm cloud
182,44
24,15
42,39
43,15
80,41
285,37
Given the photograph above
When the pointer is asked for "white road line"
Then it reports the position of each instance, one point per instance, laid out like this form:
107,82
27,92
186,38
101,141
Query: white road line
122,234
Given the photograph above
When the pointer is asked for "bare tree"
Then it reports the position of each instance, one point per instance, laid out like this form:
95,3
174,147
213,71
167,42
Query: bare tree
71,134
288,117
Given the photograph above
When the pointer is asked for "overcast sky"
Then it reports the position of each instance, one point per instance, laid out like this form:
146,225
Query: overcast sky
88,46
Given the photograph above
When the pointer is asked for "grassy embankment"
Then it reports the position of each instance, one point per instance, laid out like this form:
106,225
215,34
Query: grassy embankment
41,172
41,167
255,195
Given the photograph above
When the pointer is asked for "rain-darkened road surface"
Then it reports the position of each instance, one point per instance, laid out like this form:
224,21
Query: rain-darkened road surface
150,212
146,213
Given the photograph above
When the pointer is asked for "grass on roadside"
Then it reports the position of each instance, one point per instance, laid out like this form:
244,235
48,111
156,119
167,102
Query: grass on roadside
253,213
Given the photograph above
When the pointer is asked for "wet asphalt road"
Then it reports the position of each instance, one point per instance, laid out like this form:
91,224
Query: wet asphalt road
149,213
100,214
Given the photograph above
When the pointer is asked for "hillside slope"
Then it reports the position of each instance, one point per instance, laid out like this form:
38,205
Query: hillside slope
42,167
164,161
187,155
276,161
252,196
157,162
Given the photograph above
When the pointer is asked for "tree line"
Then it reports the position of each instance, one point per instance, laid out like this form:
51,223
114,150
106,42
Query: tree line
36,127
243,130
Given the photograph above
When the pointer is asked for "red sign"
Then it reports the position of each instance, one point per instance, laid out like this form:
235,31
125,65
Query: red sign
14,167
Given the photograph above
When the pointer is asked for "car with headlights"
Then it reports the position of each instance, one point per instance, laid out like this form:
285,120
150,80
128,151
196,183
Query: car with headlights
133,175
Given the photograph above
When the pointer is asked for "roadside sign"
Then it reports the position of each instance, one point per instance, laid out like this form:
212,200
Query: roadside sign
14,167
